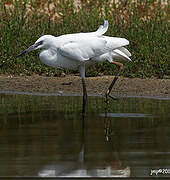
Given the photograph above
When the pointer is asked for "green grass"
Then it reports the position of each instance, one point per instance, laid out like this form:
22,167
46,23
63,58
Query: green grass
144,23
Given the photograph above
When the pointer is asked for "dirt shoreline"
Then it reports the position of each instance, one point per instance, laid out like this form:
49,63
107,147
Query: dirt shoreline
71,84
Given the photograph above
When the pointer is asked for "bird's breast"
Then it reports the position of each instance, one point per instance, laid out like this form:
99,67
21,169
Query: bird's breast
56,60
48,57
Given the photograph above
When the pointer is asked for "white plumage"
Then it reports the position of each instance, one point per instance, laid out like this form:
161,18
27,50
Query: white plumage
80,49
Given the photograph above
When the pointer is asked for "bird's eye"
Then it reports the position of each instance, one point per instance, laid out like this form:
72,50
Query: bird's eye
38,44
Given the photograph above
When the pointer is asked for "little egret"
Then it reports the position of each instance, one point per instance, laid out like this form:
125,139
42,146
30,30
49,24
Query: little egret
79,50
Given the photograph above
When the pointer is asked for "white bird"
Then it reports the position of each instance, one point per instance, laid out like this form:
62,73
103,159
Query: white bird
79,50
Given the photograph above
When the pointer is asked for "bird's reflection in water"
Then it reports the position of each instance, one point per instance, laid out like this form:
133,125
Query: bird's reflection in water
83,167
116,166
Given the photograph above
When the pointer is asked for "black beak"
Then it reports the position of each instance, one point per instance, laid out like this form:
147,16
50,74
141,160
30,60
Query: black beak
26,51
34,46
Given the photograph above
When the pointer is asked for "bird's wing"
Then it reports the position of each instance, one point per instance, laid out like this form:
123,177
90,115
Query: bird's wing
83,49
87,47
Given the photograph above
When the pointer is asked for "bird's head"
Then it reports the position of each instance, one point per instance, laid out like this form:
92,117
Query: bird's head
43,42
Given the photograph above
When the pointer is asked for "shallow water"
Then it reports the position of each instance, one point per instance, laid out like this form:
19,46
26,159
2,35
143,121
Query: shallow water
47,136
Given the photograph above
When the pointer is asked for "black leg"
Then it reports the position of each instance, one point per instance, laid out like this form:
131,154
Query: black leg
84,96
120,66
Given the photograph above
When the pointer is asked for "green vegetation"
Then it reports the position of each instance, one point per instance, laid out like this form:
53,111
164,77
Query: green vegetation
144,23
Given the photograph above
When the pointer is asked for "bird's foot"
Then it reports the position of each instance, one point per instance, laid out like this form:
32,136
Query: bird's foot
107,96
112,97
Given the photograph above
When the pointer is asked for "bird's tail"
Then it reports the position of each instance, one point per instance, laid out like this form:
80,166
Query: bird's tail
102,29
121,53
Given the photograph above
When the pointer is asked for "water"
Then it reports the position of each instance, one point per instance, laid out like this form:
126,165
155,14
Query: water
46,136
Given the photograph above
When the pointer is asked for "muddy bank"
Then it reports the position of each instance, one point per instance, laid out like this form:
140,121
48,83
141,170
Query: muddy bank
95,85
